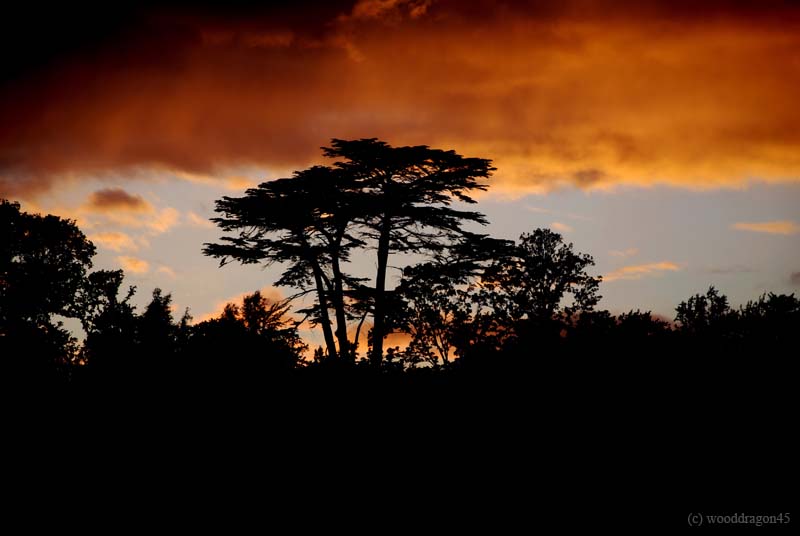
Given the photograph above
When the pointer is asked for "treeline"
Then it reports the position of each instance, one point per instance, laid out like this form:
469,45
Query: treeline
474,306
530,306
45,278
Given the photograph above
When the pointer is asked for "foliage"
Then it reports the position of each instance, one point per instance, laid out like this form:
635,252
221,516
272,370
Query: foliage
473,304
395,199
705,315
535,280
43,263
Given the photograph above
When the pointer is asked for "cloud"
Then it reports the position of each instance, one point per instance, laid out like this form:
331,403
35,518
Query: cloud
164,220
167,271
559,94
231,182
561,227
115,219
782,227
391,10
124,210
153,223
116,199
117,241
198,221
623,253
639,271
794,278
134,265
588,177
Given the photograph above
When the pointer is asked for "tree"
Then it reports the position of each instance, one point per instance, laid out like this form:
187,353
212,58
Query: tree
439,302
396,198
257,337
43,263
536,281
771,320
484,293
270,320
591,327
109,321
405,196
636,326
157,330
435,306
301,222
43,260
705,315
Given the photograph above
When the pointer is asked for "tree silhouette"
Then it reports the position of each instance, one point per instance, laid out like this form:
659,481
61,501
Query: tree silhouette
439,299
157,330
494,291
705,315
474,307
253,340
109,321
302,222
773,321
530,289
435,307
43,263
406,194
636,325
43,260
396,197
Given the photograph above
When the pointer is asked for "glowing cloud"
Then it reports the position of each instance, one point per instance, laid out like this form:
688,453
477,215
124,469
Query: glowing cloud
164,220
623,253
154,221
117,208
134,265
577,94
167,271
117,241
198,221
561,227
783,227
639,271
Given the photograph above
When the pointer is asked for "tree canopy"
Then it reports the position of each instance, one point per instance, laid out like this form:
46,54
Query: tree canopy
391,199
43,263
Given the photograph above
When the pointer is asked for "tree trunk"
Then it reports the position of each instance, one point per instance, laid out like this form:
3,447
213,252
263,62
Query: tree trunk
323,305
379,327
338,305
358,331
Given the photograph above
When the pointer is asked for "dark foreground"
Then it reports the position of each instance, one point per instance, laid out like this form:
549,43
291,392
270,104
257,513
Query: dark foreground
607,441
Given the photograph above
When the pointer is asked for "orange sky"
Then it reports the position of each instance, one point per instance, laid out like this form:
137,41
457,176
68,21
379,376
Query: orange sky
586,93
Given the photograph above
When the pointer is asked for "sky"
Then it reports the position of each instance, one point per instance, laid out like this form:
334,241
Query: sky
660,137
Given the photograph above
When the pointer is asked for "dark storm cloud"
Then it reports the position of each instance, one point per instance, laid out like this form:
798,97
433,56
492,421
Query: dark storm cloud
116,199
591,94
